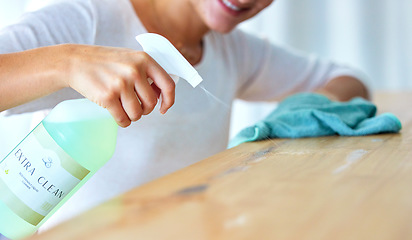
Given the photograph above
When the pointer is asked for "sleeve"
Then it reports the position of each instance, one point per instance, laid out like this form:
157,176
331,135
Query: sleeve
62,22
275,71
58,23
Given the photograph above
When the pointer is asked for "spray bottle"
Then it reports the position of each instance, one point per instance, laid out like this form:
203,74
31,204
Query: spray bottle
65,149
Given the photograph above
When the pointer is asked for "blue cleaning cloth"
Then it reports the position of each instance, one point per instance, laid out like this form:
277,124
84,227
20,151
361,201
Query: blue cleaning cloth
313,115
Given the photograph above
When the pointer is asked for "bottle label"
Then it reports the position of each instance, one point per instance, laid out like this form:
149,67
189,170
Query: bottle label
37,175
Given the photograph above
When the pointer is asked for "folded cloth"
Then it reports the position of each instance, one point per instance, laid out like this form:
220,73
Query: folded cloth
313,115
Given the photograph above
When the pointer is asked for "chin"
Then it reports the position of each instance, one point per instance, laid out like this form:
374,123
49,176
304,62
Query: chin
223,30
217,26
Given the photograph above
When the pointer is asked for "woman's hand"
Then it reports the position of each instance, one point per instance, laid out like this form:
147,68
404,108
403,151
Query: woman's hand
117,79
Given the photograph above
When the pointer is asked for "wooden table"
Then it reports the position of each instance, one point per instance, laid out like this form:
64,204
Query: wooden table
318,188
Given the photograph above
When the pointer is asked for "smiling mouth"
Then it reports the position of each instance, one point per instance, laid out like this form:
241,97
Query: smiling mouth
231,6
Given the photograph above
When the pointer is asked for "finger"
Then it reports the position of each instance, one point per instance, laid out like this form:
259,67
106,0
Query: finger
131,104
168,98
119,115
146,94
164,82
156,90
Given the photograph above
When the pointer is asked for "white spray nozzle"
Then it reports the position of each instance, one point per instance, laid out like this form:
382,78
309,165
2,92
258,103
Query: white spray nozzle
168,57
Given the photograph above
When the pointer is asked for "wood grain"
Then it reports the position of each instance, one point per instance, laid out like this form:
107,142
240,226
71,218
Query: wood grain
315,188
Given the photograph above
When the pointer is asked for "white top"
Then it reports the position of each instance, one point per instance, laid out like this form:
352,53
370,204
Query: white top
235,65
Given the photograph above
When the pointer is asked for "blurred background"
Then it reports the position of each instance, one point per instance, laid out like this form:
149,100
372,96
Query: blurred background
374,36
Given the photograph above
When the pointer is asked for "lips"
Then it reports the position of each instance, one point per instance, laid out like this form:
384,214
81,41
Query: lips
230,5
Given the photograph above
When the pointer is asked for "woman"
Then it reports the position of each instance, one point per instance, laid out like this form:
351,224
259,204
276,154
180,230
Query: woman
88,47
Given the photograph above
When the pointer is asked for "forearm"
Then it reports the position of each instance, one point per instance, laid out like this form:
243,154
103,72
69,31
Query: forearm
344,88
29,75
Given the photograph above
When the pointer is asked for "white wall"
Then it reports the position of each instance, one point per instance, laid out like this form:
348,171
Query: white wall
372,35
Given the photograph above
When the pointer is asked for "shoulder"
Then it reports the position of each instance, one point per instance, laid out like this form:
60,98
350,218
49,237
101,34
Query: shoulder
66,6
57,11
90,7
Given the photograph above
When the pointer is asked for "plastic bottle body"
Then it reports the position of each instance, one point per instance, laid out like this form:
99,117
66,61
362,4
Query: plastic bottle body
79,128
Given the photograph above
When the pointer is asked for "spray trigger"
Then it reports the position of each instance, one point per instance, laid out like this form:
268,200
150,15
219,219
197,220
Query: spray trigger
169,58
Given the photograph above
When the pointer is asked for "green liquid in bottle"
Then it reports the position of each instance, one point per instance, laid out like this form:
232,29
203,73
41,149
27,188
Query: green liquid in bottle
87,133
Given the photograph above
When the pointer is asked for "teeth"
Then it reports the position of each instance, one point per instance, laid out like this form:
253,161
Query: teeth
230,5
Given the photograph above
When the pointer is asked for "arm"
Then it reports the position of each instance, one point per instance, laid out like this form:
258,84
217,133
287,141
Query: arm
274,72
24,76
344,88
114,78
